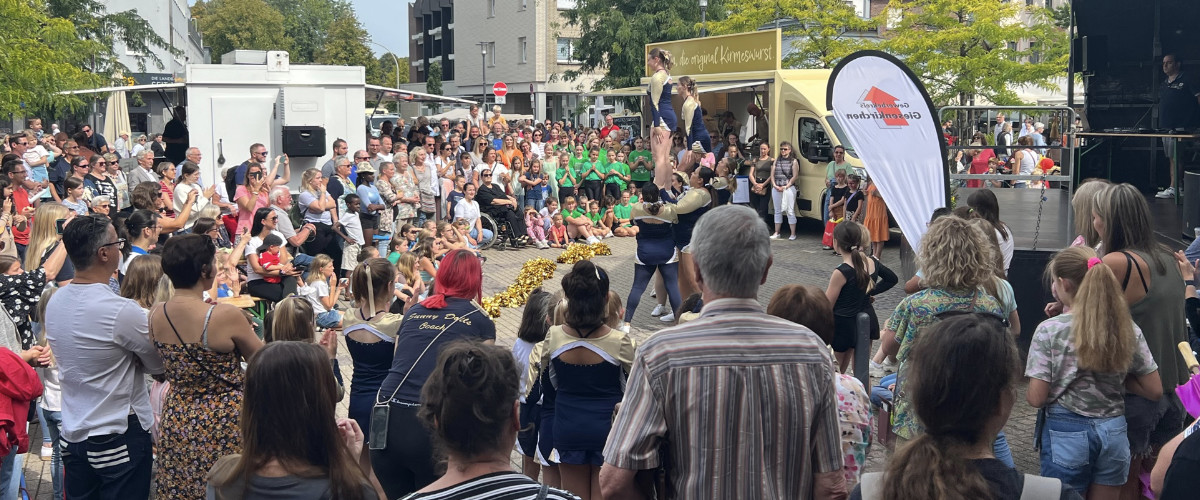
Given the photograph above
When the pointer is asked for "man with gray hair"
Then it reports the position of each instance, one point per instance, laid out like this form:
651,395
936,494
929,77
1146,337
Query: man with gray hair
281,204
1039,137
144,171
764,379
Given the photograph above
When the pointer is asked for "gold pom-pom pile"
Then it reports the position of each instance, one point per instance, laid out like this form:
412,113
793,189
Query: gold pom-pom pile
579,251
532,274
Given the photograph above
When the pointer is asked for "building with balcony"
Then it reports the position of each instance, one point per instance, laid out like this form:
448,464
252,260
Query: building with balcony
524,43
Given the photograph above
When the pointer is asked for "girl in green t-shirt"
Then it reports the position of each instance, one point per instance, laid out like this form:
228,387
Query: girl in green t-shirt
593,173
578,223
566,176
618,175
622,212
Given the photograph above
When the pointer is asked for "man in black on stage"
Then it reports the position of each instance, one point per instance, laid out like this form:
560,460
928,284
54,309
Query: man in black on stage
1178,110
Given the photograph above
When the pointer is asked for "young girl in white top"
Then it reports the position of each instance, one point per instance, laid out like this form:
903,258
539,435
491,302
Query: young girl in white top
322,291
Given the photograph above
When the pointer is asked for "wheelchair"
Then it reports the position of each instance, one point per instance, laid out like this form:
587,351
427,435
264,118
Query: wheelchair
502,234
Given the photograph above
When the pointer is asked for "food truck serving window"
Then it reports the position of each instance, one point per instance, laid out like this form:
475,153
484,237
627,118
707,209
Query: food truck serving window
813,141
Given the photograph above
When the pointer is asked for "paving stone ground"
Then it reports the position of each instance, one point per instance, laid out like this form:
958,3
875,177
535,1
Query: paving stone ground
801,261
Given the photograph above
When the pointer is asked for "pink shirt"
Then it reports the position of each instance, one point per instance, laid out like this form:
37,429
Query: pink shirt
246,217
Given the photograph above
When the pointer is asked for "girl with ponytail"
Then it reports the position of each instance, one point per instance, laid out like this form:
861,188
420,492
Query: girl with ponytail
953,458
1080,366
849,289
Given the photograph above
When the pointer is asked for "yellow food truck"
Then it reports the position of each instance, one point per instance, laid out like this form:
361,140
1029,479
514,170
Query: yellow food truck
734,71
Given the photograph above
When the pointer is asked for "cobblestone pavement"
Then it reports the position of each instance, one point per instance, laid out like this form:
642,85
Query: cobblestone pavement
801,261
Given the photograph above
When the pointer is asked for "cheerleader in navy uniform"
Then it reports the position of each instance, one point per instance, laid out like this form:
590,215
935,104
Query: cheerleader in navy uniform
655,250
587,364
693,124
662,112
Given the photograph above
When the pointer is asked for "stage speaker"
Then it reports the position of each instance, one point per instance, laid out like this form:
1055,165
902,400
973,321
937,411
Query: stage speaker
1025,274
1090,53
1191,204
301,141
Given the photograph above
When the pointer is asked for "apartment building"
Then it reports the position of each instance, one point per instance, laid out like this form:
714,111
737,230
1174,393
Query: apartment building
524,43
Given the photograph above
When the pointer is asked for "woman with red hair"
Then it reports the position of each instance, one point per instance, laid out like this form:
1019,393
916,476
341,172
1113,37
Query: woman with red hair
403,456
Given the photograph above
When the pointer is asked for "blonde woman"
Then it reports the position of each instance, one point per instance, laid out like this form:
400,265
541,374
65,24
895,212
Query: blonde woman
44,238
141,283
783,193
320,210
408,193
958,267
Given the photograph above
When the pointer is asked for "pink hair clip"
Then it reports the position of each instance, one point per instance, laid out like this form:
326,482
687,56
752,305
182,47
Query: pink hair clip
1093,261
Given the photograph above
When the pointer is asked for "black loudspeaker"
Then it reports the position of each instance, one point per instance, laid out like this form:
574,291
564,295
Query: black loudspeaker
1090,53
1191,204
1025,274
302,141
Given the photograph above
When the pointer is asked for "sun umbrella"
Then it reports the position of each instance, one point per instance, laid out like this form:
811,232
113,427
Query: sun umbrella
1189,392
116,116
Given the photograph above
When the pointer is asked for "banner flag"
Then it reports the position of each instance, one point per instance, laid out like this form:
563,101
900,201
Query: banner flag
889,120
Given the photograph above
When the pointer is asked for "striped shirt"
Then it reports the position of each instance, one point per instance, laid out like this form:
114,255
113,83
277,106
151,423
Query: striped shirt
744,401
494,486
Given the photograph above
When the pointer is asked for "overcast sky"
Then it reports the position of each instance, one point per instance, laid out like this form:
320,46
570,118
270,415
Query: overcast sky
385,20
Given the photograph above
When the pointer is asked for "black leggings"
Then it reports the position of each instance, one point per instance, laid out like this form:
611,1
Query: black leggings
564,192
612,189
407,463
593,189
516,224
760,203
642,274
327,242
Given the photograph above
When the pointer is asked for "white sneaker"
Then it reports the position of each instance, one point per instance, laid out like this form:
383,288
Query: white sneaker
1166,193
658,310
668,318
775,236
625,328
792,237
877,370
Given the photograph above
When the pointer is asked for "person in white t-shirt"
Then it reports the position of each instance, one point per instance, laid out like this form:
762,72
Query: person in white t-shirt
322,291
351,232
104,354
467,209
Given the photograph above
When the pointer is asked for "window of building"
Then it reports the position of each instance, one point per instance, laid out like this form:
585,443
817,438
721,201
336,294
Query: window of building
566,4
1012,46
1035,55
491,8
523,46
566,50
525,4
492,54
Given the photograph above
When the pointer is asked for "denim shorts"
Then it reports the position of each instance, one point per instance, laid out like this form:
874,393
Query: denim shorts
329,319
1082,451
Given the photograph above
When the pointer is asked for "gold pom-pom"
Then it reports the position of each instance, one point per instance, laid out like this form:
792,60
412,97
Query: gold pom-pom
531,276
579,251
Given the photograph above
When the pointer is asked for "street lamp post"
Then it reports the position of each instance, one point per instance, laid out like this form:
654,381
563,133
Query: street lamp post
394,58
703,18
483,66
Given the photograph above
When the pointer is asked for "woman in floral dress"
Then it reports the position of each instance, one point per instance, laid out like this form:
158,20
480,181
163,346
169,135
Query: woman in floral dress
202,347
405,186
387,217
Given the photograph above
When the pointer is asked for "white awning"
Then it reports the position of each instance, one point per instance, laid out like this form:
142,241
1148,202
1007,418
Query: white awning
622,92
721,87
412,96
126,88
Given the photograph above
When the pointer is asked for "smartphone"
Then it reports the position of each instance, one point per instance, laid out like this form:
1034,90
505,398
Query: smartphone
58,225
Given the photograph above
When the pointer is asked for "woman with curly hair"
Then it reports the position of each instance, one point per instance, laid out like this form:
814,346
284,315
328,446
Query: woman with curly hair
957,268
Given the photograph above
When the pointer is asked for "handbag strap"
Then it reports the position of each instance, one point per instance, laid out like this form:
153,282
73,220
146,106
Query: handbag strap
204,338
419,357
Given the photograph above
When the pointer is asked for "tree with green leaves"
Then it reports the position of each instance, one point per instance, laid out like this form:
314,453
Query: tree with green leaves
823,31
968,49
346,45
93,21
615,32
387,70
229,25
433,80
309,22
40,55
